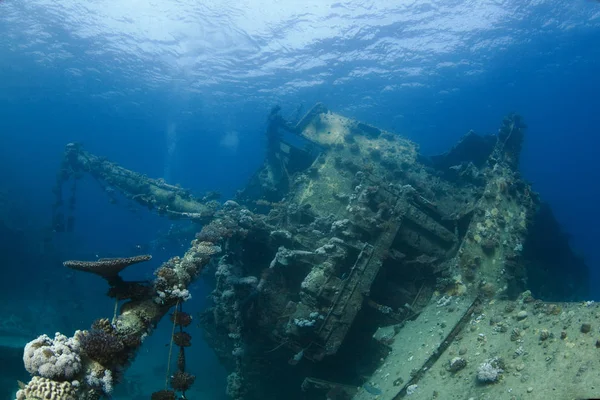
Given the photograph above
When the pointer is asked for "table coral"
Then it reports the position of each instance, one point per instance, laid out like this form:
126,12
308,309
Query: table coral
108,268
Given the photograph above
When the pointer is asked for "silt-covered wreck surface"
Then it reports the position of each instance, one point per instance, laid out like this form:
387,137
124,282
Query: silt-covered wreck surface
360,232
350,257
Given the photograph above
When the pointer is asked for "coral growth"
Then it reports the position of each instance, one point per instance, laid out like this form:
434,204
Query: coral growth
181,359
87,365
102,324
235,386
181,318
181,381
175,275
43,388
102,347
217,230
60,370
108,268
56,359
490,371
182,339
131,340
102,380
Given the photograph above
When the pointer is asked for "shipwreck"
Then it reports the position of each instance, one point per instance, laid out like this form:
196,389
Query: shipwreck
353,267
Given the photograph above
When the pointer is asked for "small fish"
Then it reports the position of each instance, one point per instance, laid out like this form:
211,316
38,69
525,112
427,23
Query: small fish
372,389
296,358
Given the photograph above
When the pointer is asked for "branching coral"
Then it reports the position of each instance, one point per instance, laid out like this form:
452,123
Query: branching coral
102,347
103,324
181,319
90,360
182,339
181,381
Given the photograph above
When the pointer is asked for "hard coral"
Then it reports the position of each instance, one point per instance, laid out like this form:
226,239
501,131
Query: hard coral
101,380
182,381
43,388
217,230
206,249
56,359
167,275
181,318
102,347
182,339
132,340
103,324
106,267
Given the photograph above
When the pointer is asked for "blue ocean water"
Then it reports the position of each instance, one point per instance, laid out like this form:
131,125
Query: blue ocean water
181,90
